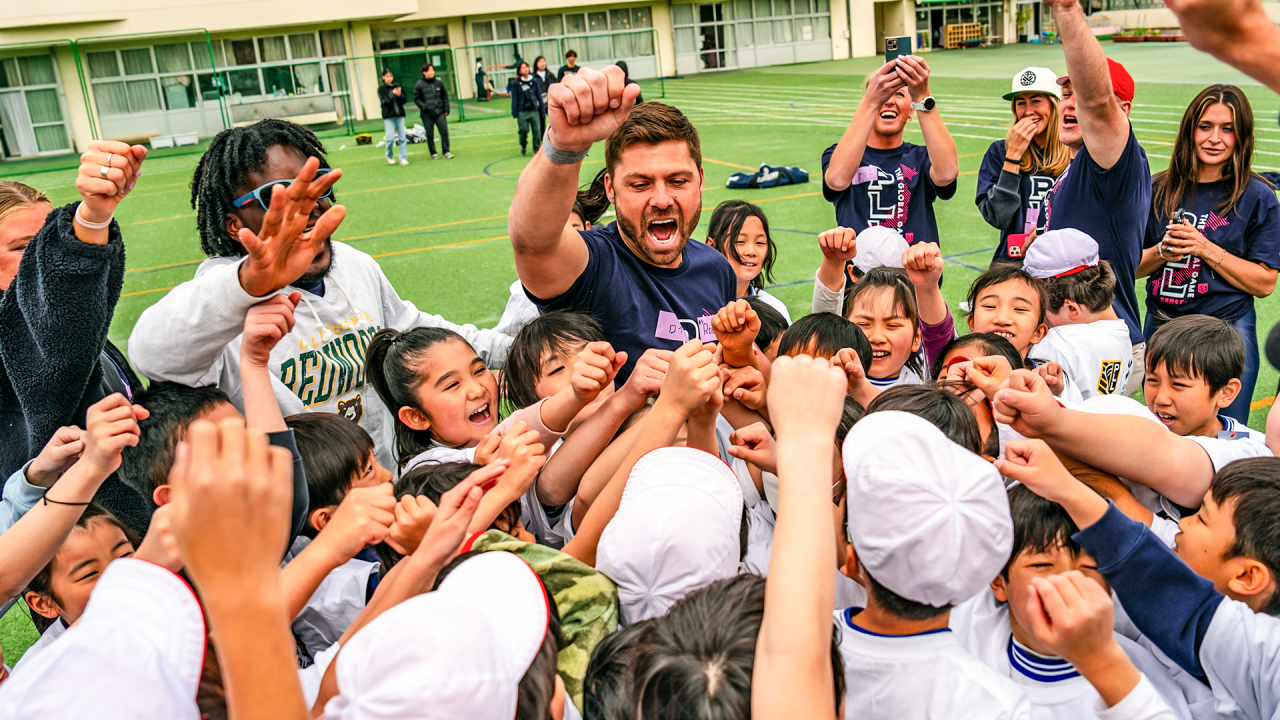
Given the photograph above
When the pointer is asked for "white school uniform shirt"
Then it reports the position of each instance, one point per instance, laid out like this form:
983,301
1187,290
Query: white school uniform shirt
1096,356
520,311
1240,654
921,677
905,376
47,638
760,516
331,609
773,302
1056,691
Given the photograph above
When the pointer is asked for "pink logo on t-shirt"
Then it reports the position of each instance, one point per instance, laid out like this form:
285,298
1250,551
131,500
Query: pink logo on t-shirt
1202,288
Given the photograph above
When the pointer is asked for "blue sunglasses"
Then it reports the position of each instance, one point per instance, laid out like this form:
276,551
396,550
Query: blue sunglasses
263,193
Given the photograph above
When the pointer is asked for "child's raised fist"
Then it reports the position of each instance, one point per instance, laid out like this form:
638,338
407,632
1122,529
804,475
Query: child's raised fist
806,396
838,244
692,375
414,514
363,518
923,263
112,426
646,377
736,326
594,368
264,325
61,452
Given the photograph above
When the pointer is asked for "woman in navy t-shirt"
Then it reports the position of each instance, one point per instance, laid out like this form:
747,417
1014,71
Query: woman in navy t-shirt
1213,239
1019,171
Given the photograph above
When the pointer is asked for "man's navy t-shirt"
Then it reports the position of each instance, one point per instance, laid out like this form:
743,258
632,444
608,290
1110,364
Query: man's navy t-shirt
1251,230
1111,206
891,188
641,306
1032,188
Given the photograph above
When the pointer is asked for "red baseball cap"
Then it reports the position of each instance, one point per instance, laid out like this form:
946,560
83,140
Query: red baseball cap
1121,81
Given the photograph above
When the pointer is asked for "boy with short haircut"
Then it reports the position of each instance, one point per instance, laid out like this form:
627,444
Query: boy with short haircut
908,486
1086,336
1194,365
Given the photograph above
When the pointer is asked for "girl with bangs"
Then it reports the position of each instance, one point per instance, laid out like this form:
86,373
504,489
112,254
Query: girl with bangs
740,231
1019,171
1213,236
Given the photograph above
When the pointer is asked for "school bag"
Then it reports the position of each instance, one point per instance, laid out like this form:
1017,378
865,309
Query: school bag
768,176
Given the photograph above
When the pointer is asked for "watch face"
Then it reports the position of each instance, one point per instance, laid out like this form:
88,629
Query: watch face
929,104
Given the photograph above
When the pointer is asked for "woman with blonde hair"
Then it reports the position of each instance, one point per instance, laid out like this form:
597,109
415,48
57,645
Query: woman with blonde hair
61,270
1018,172
1213,236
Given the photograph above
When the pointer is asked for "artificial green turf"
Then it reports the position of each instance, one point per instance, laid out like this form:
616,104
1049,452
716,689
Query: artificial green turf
439,226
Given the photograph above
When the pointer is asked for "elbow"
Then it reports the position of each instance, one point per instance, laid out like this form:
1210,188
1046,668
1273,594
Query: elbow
1265,287
839,182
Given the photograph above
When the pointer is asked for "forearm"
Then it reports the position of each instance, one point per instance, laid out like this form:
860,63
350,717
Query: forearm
1150,262
941,147
1110,672
658,429
256,652
1251,277
559,410
261,411
544,198
1085,59
847,156
702,435
793,651
302,576
1259,56
33,540
92,236
740,416
932,306
601,471
567,468
1000,204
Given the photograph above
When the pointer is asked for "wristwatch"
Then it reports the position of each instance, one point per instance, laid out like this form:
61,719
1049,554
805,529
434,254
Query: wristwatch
925,105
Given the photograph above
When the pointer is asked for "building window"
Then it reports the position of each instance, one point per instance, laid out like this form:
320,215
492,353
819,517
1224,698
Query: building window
389,40
31,116
611,34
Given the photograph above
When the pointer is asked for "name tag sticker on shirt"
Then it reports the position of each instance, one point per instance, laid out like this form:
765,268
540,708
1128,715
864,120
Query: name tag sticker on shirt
1033,217
1230,435
669,327
865,174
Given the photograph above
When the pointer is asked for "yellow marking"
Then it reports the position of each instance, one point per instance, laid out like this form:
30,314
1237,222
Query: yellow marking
1264,402
156,220
441,247
409,185
145,292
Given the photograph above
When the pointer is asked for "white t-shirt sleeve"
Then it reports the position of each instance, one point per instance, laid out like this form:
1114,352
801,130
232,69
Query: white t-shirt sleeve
1223,452
1142,703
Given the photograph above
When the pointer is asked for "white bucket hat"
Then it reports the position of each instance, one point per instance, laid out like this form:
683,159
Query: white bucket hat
1034,80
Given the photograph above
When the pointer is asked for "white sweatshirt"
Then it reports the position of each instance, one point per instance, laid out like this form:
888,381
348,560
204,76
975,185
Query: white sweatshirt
192,336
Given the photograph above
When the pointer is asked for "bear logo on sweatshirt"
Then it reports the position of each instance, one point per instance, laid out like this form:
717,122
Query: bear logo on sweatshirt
352,409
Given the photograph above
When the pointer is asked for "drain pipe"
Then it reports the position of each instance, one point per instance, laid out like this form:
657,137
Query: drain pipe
848,21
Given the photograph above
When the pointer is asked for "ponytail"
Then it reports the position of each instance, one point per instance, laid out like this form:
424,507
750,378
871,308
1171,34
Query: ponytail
594,200
391,364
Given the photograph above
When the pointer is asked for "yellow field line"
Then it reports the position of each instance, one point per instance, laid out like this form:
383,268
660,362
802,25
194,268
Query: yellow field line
156,220
1264,402
441,247
409,185
145,292
424,227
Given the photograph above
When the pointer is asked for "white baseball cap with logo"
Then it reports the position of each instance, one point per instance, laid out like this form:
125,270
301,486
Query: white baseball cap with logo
1059,253
1034,80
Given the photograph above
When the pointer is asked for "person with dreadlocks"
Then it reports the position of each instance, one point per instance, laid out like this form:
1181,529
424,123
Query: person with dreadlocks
265,211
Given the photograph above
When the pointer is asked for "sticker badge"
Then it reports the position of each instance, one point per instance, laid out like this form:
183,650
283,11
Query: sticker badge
1108,377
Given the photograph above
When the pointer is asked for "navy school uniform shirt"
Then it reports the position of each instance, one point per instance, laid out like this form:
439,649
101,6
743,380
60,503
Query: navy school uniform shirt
891,188
641,306
1251,230
1032,189
1111,206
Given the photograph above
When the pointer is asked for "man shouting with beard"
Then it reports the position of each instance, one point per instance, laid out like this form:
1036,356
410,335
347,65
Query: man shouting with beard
265,212
640,277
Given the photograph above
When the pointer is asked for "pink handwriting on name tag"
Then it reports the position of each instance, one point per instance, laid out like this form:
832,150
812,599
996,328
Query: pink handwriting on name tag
705,332
669,327
1033,217
865,174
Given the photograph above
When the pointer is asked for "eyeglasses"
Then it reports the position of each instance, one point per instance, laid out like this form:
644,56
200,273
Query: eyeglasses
263,193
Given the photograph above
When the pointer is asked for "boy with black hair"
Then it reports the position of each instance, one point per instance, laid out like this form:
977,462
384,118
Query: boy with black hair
1193,368
772,326
540,360
1086,337
825,335
192,335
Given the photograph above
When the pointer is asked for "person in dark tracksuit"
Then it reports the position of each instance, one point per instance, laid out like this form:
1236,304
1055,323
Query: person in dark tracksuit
527,106
432,99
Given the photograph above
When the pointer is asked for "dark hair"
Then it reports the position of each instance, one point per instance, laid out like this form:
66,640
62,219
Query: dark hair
1177,185
1200,346
334,452
544,62
606,687
1092,287
904,296
427,67
898,606
571,54
696,662
173,408
392,363
521,64
622,65
649,124
1254,484
824,335
387,71
593,199
42,583
1039,526
999,273
988,343
853,412
934,403
220,175
772,322
553,332
725,226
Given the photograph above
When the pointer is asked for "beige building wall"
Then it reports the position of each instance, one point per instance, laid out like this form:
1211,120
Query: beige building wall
863,27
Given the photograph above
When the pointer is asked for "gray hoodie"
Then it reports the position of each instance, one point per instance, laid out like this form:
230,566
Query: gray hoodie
192,336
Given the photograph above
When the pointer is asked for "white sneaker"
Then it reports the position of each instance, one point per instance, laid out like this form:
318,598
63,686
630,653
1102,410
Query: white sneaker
404,162
449,155
390,161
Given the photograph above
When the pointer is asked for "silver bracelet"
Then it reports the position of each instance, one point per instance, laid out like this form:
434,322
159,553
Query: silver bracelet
92,226
558,156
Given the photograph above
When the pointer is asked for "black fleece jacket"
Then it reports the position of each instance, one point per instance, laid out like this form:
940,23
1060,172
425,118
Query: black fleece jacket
54,320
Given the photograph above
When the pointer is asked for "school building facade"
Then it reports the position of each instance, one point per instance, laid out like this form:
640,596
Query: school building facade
174,71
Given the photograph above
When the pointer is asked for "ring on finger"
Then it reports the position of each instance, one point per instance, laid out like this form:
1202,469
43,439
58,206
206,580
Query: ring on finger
105,168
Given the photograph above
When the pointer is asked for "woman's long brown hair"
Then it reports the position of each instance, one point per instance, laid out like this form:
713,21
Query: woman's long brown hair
1173,187
1054,157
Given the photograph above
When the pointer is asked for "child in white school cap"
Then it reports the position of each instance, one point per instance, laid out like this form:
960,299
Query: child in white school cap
679,528
462,651
879,246
929,526
137,652
1086,336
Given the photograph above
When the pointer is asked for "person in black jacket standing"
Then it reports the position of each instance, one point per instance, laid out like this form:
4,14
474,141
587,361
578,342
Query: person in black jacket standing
392,98
570,66
432,99
61,270
527,107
